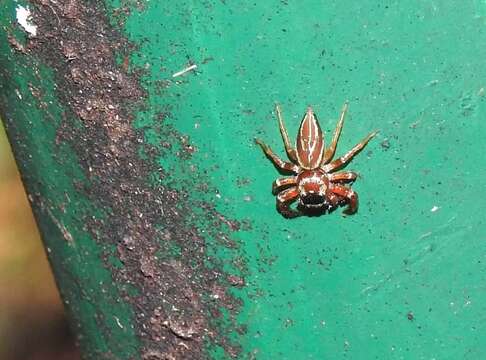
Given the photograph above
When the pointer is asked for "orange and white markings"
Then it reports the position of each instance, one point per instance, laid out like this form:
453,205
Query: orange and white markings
330,151
310,143
344,176
343,160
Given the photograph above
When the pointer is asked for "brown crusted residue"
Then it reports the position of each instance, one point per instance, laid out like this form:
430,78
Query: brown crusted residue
153,227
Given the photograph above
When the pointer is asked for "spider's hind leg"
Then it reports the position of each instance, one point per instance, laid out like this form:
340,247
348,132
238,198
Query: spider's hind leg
291,152
283,165
346,158
330,151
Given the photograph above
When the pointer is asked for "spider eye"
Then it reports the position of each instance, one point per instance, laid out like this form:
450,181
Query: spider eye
313,200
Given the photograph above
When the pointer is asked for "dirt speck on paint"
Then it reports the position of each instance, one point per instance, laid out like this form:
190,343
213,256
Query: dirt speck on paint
410,316
385,144
180,298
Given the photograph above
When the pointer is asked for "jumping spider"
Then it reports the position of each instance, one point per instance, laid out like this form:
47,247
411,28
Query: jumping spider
316,184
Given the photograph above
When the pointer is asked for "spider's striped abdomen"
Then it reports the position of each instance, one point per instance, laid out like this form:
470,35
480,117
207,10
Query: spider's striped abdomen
310,143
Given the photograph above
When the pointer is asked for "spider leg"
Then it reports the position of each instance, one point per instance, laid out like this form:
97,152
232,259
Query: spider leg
291,152
285,199
344,176
350,195
329,152
343,160
282,182
287,166
334,201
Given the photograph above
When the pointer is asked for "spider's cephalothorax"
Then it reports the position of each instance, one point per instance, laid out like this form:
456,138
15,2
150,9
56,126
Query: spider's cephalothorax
316,184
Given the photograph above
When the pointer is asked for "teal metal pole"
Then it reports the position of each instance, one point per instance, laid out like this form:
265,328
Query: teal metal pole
133,126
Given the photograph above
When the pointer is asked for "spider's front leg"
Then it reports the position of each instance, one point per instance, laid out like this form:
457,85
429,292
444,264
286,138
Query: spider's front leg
287,166
285,199
350,195
283,182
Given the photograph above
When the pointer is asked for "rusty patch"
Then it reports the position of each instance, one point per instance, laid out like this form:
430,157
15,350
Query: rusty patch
180,297
15,44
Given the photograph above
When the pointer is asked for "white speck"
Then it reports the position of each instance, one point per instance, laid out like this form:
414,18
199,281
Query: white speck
19,95
184,345
218,196
366,289
23,18
434,208
433,82
183,71
118,322
427,234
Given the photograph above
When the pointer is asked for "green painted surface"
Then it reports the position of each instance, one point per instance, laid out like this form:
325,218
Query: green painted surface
402,279
92,300
334,287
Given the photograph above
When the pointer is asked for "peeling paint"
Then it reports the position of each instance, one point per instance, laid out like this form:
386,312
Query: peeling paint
24,18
